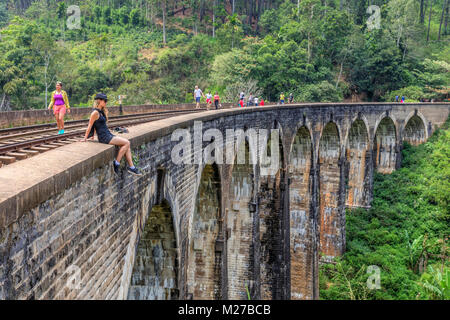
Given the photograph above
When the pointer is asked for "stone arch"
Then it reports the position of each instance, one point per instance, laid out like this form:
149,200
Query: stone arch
415,131
385,146
240,232
358,160
271,194
330,230
204,262
301,216
360,117
156,270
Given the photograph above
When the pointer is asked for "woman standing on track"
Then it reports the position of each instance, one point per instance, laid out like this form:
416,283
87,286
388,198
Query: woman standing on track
60,104
97,122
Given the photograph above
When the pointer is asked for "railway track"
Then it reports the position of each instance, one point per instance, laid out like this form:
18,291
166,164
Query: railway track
23,142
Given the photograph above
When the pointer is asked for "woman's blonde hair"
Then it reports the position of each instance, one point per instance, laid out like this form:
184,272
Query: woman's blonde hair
105,110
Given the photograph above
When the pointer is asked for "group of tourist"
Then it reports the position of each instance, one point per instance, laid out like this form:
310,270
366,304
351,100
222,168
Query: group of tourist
251,101
282,98
402,99
198,94
243,101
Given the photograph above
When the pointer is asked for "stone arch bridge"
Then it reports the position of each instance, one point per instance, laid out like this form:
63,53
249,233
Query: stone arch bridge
71,229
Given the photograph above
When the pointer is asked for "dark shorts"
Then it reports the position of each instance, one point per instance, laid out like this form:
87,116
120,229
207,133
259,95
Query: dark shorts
105,138
197,99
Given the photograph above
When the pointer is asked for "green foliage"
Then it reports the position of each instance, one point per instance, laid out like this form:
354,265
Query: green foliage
321,92
318,50
124,15
4,15
414,93
436,283
405,232
134,17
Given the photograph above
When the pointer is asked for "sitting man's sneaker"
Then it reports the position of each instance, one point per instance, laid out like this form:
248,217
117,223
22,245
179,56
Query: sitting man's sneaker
134,170
116,167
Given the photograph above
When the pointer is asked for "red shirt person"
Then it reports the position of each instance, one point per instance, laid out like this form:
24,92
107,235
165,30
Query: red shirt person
216,100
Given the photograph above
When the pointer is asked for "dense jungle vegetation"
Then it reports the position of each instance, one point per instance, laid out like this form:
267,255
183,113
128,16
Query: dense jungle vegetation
405,233
156,51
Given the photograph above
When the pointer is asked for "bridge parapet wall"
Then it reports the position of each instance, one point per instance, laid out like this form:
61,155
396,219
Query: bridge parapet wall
37,116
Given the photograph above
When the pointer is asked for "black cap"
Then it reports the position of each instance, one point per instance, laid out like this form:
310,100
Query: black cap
101,96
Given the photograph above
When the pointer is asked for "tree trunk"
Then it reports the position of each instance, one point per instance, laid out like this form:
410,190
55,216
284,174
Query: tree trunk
446,19
444,5
422,12
429,21
260,4
4,103
214,19
164,20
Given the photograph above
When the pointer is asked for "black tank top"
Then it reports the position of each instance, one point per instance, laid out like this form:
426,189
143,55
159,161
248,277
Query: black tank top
103,133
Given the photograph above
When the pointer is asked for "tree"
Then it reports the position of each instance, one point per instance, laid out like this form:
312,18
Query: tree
247,86
4,16
134,17
164,9
429,20
444,8
309,22
403,24
51,59
101,44
231,67
375,65
124,14
231,33
422,12
107,16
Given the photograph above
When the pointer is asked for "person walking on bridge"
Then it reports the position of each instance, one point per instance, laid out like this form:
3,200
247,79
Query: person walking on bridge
291,98
198,94
97,123
250,100
60,105
208,100
216,100
282,98
241,99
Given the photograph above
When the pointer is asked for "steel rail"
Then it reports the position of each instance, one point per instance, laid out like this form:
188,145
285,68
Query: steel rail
55,138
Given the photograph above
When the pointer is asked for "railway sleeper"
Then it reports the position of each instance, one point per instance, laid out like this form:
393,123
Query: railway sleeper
18,155
30,152
7,160
40,149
